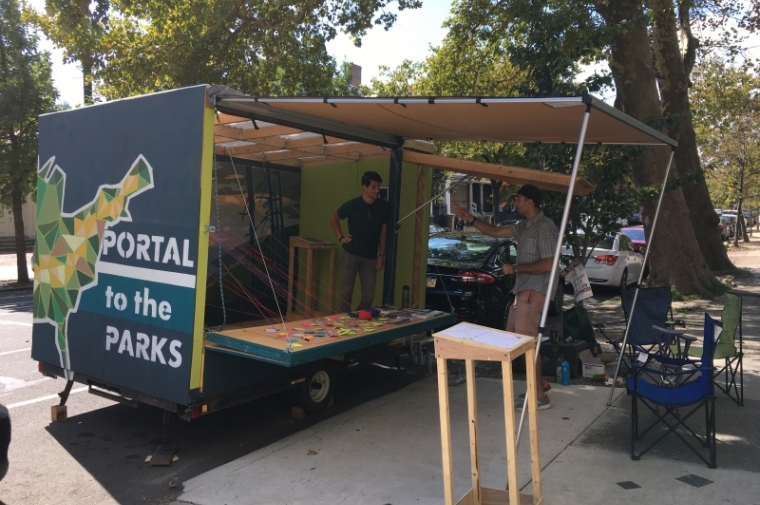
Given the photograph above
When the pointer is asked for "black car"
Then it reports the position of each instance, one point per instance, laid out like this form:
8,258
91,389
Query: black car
464,276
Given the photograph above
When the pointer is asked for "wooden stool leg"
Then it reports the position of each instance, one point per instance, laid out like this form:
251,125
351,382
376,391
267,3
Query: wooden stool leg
443,405
331,283
472,410
308,303
535,460
511,435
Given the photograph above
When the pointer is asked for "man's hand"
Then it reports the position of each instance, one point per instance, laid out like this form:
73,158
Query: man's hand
462,213
346,239
379,263
507,269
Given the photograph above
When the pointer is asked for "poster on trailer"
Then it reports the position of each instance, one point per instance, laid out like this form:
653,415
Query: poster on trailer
117,259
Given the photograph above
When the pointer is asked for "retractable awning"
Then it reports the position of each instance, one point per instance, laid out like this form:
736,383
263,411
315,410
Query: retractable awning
390,121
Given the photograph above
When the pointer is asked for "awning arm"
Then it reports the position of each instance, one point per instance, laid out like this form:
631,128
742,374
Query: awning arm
641,277
557,254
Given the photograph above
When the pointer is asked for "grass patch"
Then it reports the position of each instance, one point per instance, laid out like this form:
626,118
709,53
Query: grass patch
677,296
735,272
614,300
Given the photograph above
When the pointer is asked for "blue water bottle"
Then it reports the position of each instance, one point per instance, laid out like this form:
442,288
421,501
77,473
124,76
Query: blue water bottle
565,373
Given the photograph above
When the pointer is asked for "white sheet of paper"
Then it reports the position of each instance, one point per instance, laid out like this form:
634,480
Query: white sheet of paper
483,335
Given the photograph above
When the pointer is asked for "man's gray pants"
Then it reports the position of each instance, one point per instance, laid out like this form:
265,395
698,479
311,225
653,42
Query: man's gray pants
350,265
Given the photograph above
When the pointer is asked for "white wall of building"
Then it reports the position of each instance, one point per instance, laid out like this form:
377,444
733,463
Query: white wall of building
29,215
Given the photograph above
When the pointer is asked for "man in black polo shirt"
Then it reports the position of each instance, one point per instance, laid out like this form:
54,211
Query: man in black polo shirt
364,246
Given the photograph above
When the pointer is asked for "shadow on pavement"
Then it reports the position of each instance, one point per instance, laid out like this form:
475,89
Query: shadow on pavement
112,443
736,443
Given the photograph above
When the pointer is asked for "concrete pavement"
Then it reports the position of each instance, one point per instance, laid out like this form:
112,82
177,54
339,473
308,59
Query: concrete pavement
388,451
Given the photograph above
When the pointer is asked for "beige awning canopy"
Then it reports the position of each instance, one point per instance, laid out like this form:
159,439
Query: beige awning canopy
390,121
304,132
278,145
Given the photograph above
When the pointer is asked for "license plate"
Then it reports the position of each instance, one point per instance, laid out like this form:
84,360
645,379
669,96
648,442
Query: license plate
431,281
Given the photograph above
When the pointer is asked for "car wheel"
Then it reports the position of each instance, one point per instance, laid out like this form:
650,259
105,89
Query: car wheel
510,301
318,389
624,279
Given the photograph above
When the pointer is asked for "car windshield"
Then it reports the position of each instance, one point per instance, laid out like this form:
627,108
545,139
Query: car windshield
467,248
634,234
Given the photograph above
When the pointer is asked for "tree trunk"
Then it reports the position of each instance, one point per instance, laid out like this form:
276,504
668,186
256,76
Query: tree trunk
675,255
674,90
18,225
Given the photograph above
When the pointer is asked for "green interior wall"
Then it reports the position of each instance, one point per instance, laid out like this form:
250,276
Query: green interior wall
323,190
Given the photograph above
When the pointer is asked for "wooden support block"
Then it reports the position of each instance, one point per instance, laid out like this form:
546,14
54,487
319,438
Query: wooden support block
472,412
58,413
443,405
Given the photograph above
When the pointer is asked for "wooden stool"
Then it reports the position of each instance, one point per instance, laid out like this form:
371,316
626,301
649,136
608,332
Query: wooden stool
472,342
311,245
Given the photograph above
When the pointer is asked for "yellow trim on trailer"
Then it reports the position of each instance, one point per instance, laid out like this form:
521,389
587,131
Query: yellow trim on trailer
207,165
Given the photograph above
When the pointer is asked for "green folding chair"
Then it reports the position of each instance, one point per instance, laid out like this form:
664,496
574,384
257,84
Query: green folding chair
726,349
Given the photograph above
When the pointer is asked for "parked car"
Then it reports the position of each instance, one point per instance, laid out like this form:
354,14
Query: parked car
613,262
726,227
748,219
5,440
464,276
635,219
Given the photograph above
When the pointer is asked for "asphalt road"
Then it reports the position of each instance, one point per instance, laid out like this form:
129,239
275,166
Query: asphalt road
98,455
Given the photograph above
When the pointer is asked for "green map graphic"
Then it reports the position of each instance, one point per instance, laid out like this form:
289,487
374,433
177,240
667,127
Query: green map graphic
68,244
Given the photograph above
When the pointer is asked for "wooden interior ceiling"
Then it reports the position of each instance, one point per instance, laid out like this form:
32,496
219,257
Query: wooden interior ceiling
269,143
237,137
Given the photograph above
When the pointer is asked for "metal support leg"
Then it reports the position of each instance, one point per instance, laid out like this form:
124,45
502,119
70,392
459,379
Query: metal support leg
59,413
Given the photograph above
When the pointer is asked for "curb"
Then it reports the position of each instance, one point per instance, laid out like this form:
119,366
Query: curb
12,288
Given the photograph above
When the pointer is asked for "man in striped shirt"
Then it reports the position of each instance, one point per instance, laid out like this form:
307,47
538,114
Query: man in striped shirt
536,238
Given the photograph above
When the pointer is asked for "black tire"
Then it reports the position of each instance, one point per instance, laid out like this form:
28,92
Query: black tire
624,280
510,301
317,391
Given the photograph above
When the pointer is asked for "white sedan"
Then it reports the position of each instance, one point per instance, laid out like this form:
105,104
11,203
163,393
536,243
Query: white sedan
614,262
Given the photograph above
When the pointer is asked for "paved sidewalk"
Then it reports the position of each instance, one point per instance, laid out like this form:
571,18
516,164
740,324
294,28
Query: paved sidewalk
388,451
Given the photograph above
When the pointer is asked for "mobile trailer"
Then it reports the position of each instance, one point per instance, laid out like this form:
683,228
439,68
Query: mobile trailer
134,197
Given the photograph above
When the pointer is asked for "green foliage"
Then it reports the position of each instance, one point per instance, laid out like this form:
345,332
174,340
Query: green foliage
26,91
260,47
726,108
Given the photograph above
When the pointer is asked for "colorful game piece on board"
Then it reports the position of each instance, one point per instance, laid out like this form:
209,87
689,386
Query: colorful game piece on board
297,345
271,330
321,334
309,332
291,339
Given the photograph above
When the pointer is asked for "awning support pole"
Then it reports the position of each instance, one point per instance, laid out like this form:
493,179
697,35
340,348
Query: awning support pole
460,181
641,277
557,254
391,235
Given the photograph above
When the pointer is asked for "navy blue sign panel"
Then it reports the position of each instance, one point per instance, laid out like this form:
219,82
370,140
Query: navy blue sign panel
115,289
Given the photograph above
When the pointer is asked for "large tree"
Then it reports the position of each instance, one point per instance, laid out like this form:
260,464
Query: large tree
260,46
26,90
727,114
548,39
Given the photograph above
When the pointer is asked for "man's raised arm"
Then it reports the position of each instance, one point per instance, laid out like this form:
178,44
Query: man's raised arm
487,228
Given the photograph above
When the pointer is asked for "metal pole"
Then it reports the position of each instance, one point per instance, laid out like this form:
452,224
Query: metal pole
641,276
557,254
460,181
391,234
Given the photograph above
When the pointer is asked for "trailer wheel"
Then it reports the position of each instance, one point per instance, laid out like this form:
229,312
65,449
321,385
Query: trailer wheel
318,390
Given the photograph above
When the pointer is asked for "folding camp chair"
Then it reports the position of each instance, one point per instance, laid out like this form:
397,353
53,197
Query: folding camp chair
673,384
727,350
652,309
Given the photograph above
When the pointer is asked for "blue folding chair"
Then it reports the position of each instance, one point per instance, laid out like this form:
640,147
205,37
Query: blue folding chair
663,382
652,309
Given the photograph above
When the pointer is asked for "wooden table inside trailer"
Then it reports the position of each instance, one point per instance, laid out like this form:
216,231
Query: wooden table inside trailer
308,340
